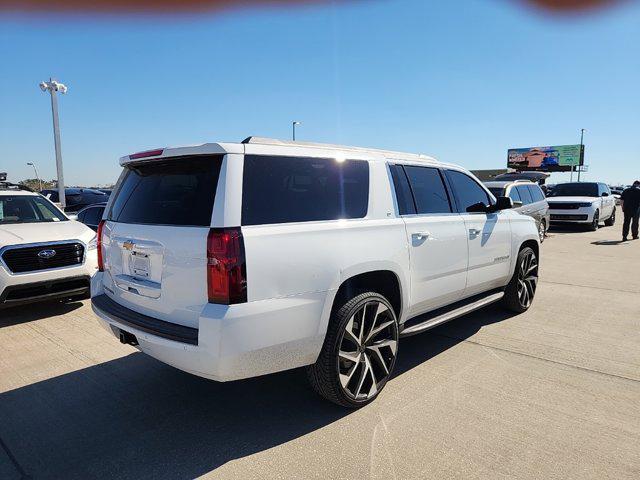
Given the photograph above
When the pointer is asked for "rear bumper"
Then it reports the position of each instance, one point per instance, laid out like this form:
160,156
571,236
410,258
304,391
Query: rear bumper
230,342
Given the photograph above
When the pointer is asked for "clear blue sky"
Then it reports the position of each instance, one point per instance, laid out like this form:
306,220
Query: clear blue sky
461,80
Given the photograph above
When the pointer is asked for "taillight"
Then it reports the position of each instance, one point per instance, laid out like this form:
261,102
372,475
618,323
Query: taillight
226,266
148,153
99,235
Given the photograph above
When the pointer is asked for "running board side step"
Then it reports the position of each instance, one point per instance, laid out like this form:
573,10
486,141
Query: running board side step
450,315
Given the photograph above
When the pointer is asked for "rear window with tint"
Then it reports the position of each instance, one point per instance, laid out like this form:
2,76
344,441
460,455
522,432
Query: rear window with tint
525,194
179,191
536,193
299,189
428,190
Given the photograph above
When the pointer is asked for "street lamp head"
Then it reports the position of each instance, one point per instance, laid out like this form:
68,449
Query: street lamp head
30,163
53,86
297,123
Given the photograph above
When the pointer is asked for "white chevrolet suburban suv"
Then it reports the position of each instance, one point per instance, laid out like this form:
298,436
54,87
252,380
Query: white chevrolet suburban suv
232,260
43,254
584,203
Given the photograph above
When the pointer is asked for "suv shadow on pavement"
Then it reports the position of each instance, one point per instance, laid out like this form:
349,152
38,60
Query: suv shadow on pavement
10,316
135,417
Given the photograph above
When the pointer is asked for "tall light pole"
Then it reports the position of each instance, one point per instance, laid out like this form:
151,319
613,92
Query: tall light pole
52,86
37,176
293,125
581,147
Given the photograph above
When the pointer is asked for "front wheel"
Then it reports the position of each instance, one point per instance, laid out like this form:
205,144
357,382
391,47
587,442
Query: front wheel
611,221
596,222
542,230
520,291
359,351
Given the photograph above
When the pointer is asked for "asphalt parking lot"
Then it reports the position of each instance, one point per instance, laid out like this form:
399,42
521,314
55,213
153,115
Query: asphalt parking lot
552,393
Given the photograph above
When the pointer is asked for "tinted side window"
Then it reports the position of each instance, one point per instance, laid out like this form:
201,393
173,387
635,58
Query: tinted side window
81,216
514,195
175,192
403,191
93,216
524,194
536,193
297,189
428,189
468,192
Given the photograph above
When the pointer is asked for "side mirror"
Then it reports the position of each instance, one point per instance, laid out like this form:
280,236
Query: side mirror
503,203
479,207
605,194
517,204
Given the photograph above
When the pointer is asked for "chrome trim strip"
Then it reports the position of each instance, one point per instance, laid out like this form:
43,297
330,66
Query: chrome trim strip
445,317
41,244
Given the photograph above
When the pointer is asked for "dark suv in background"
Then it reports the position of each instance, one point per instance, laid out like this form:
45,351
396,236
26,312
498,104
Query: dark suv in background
77,198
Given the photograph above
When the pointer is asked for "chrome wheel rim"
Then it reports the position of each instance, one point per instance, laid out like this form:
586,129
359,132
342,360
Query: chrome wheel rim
367,350
596,221
527,279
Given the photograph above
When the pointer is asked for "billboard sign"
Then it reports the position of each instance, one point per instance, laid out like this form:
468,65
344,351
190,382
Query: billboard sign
562,158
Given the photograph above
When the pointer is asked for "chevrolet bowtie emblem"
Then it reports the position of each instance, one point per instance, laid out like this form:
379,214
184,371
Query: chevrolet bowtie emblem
128,245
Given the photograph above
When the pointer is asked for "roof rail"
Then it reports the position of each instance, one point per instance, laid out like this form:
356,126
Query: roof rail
275,141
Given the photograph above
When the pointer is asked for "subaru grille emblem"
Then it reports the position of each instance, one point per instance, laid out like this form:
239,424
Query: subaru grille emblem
46,254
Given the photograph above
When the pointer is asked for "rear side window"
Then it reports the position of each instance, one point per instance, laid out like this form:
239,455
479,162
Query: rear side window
514,195
536,193
175,192
300,189
428,190
468,192
93,215
403,191
525,195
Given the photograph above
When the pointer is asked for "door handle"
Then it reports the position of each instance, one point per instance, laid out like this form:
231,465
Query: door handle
422,235
474,232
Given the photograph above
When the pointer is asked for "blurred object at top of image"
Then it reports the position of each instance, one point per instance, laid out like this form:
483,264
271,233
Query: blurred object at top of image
160,6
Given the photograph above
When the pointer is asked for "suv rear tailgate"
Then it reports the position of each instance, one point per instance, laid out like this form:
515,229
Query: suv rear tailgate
155,238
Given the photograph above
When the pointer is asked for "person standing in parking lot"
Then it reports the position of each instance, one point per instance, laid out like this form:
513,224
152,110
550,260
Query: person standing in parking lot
630,203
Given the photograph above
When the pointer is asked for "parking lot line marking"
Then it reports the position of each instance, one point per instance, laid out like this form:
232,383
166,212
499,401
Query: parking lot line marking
622,377
589,286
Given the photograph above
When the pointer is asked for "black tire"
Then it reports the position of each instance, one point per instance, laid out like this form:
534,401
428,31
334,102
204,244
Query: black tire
611,221
542,230
524,276
595,224
325,375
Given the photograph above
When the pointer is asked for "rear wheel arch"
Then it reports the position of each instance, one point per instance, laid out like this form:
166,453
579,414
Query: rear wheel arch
385,282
